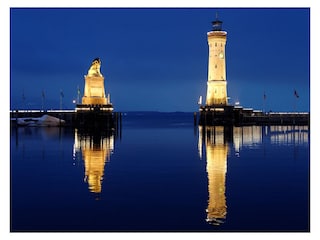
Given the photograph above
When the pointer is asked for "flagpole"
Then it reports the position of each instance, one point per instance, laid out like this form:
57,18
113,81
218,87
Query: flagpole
61,96
43,100
78,95
264,101
296,96
23,101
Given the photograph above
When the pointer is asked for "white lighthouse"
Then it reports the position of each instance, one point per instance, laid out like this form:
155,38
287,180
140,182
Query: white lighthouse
217,83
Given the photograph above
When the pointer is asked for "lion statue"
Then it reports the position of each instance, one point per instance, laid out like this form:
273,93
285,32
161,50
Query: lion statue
95,68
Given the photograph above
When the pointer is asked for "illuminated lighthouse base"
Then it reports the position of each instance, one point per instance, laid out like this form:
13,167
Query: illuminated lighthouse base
217,115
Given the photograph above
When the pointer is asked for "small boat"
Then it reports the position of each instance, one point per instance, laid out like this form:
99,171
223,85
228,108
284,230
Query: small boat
44,121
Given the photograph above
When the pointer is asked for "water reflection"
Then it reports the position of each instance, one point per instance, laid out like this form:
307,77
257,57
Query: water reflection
216,155
214,143
95,149
289,134
43,133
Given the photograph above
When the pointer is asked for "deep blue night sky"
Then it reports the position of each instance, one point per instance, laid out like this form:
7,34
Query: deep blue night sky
156,59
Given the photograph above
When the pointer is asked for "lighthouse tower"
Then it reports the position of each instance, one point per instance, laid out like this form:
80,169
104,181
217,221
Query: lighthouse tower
217,84
216,110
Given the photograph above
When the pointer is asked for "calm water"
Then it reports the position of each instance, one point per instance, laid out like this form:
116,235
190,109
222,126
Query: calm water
160,173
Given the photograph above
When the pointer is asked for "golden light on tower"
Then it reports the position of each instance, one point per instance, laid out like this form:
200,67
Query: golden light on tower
95,110
94,92
217,84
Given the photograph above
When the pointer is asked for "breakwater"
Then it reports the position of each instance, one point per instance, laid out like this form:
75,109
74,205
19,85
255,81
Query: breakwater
231,115
88,119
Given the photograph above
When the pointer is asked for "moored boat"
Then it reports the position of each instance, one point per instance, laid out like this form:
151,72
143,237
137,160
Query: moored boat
44,121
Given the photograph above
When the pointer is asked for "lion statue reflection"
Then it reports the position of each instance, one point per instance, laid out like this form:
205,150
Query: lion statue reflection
95,68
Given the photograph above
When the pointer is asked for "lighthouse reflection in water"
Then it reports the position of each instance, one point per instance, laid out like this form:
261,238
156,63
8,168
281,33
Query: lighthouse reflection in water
216,154
95,150
216,143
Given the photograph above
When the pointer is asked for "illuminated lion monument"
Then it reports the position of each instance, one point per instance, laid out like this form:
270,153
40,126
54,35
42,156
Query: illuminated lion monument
94,93
94,70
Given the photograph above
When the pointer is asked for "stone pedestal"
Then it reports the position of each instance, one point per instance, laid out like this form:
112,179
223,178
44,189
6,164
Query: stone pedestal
94,93
95,111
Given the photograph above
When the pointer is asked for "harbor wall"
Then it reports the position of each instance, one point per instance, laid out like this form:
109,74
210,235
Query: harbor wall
72,118
230,115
